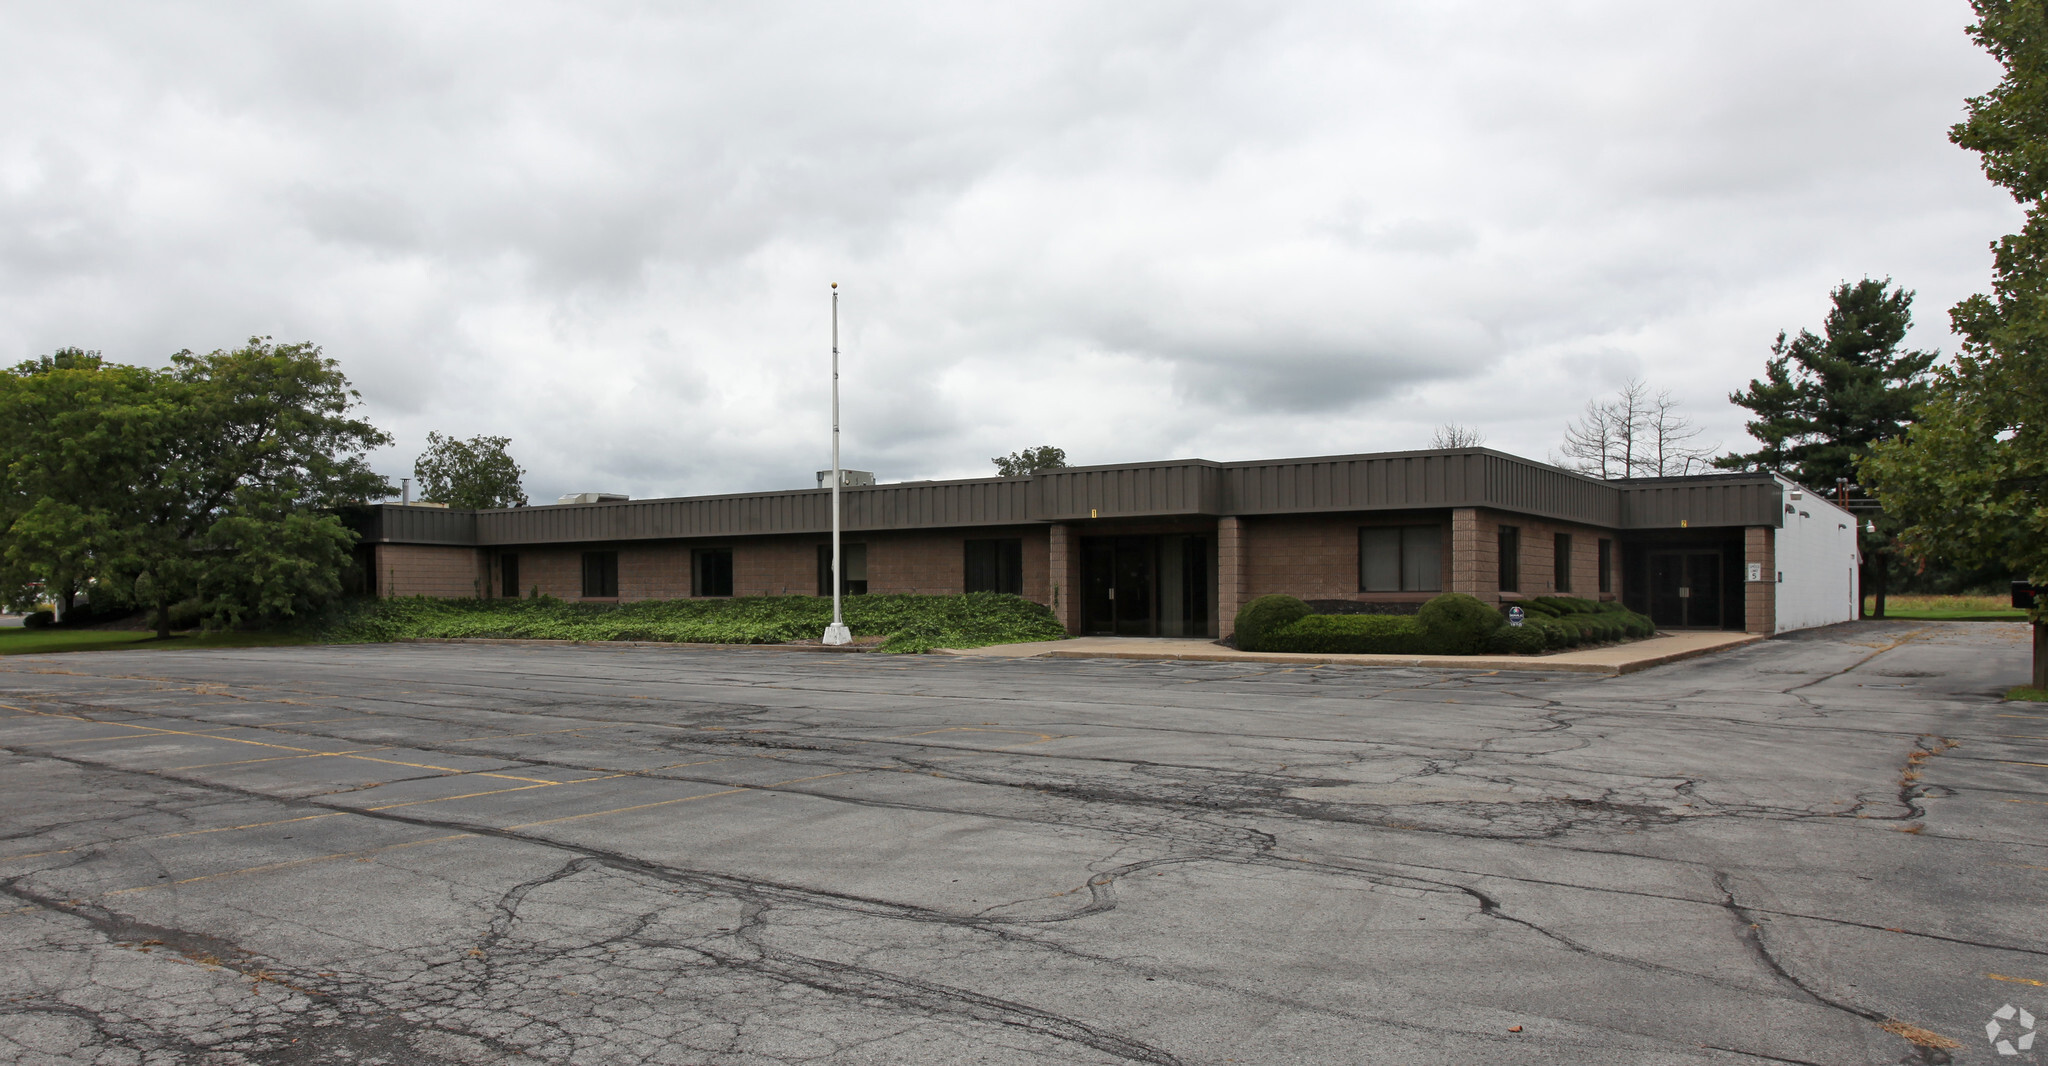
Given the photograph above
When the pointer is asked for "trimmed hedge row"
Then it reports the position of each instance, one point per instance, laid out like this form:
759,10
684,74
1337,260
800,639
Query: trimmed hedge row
1451,624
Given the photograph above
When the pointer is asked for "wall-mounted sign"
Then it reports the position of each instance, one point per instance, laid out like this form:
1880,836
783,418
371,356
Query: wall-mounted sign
1756,571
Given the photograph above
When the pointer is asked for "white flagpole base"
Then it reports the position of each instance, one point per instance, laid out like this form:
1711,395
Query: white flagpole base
837,633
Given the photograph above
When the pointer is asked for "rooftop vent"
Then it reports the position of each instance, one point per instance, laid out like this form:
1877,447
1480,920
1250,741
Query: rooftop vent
847,478
594,497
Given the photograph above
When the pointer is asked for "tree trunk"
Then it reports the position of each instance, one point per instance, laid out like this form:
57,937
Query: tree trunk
1880,570
67,603
163,620
2041,655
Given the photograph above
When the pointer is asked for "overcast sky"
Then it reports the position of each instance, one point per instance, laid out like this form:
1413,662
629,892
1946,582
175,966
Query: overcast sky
1136,230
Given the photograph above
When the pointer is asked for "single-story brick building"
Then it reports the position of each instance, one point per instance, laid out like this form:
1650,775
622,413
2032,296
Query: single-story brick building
1174,548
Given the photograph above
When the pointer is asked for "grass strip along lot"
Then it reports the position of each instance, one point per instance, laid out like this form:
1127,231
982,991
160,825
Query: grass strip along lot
1919,608
47,641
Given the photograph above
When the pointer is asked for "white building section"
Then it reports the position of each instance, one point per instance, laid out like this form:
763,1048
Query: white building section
1817,560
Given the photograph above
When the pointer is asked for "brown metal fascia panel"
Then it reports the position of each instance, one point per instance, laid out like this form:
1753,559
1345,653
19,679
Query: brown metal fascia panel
399,524
1671,505
1148,490
982,501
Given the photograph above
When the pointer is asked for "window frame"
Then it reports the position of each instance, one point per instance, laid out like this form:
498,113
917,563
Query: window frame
1508,545
701,583
1005,565
849,586
605,572
1434,583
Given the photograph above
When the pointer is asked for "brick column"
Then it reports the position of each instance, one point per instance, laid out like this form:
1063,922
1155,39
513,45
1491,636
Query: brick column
1760,598
1059,565
1475,569
1230,573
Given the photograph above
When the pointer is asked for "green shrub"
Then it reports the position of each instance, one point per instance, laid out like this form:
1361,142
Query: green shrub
1349,634
39,620
910,623
1524,639
1457,624
1257,619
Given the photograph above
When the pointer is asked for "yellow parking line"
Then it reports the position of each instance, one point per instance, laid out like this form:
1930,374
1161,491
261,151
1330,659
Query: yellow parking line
2018,980
267,758
683,799
267,867
168,836
493,792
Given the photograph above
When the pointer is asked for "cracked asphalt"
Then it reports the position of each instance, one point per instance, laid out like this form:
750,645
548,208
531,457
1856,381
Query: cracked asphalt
438,854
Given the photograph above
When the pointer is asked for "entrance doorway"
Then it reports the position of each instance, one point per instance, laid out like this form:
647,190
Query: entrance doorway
1685,589
1145,586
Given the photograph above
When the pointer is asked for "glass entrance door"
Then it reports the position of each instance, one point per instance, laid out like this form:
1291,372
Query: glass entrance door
1685,589
1118,583
1145,586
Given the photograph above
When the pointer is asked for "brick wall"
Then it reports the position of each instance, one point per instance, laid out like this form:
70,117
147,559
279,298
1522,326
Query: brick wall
421,570
908,562
1316,557
1230,573
1479,561
1062,565
1760,598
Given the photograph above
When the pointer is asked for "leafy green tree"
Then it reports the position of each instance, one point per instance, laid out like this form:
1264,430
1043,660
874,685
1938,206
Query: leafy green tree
214,480
1825,400
76,432
1030,461
1970,479
477,473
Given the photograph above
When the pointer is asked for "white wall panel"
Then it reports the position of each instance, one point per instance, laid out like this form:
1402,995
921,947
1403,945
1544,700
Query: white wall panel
1817,561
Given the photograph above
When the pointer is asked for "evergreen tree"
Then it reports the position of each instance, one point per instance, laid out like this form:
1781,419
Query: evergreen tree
1824,400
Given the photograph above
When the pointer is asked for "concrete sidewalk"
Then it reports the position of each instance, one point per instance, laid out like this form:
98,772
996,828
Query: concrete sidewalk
1610,659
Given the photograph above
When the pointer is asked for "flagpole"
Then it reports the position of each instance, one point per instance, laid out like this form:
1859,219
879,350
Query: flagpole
836,633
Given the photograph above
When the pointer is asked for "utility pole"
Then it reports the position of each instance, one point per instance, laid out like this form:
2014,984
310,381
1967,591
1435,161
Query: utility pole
836,633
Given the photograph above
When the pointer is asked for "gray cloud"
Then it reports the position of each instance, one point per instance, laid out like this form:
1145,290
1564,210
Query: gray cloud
605,229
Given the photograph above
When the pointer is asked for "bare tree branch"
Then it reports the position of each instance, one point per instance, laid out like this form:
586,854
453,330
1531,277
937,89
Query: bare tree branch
1452,435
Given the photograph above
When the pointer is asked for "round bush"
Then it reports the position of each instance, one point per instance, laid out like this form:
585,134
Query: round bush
1264,615
1516,640
1457,624
39,620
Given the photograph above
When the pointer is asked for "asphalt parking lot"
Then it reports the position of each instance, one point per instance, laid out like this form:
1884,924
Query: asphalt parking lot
1827,849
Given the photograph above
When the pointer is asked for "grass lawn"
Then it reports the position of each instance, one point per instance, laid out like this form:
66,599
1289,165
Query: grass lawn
2035,695
46,641
1923,608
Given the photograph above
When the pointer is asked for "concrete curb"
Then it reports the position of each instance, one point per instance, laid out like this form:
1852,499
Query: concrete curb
843,649
1558,663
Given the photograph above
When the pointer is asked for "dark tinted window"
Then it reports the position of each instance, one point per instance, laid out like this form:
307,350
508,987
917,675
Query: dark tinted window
600,573
1561,561
508,576
1401,559
853,564
995,566
1510,559
711,572
1606,565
